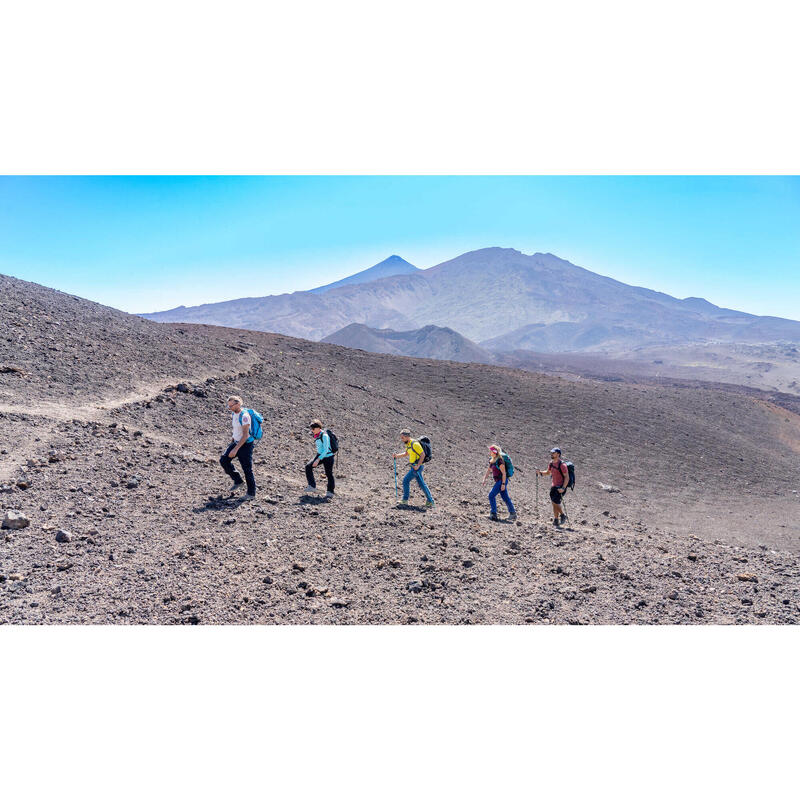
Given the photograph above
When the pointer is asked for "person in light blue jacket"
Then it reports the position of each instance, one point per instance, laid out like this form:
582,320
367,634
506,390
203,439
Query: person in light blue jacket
324,456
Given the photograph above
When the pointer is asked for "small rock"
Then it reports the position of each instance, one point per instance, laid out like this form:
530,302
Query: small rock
748,576
338,602
672,596
268,580
467,564
415,586
23,485
608,488
298,567
63,536
183,388
132,484
15,520
692,556
15,576
358,509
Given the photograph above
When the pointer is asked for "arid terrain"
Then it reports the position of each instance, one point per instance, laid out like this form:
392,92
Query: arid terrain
686,508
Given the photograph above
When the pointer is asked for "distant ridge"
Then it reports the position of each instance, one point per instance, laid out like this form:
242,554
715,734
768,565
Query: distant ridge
428,342
502,299
394,265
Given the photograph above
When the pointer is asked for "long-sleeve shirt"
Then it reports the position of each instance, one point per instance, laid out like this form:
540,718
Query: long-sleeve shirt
323,442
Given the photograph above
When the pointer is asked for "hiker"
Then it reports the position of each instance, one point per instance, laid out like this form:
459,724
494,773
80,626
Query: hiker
324,456
499,469
241,447
560,475
416,459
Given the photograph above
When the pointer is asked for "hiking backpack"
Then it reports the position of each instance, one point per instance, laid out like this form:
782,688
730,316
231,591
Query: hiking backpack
333,440
427,453
571,470
509,465
256,419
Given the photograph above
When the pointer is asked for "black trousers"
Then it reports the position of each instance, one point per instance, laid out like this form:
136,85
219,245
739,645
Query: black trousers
245,456
328,464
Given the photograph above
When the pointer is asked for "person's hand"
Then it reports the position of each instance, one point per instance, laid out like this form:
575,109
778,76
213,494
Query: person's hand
502,486
563,491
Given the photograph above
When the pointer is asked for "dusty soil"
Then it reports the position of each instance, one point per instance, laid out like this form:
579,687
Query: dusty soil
705,527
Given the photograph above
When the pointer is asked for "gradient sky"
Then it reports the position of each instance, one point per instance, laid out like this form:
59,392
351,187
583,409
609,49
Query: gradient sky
151,243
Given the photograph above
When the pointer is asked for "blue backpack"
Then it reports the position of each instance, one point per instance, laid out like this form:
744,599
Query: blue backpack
255,424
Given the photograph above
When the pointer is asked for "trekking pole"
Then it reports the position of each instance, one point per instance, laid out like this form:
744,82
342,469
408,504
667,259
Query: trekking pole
395,478
537,495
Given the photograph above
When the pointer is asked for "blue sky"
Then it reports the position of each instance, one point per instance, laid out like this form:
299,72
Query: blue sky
150,243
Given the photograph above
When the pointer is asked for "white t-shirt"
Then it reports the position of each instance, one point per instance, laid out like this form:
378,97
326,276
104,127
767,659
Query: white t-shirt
238,428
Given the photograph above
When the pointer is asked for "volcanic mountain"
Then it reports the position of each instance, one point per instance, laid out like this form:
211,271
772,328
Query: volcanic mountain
394,265
111,427
504,300
428,342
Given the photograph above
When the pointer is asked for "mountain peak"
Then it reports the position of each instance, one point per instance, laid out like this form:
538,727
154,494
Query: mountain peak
393,265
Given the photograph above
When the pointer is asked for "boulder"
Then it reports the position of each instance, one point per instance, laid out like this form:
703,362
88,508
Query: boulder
15,520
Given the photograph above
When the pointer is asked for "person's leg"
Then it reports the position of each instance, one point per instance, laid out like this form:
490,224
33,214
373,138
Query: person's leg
493,497
227,465
328,464
423,485
507,500
245,456
310,474
407,478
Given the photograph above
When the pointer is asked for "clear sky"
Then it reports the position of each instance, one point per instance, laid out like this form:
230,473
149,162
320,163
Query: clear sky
151,243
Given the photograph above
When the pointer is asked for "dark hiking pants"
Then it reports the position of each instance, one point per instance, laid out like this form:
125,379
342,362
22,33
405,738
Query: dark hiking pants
245,456
327,463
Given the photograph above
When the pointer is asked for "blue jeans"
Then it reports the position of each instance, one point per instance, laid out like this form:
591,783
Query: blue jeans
504,494
410,476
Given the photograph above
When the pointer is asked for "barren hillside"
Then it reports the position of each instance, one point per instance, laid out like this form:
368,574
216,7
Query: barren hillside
704,526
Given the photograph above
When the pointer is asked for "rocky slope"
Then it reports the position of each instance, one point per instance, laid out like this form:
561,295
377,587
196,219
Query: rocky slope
669,522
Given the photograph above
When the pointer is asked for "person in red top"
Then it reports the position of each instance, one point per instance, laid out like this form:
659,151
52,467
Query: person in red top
560,475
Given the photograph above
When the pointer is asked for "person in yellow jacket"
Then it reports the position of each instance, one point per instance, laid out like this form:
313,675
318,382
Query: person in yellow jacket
416,456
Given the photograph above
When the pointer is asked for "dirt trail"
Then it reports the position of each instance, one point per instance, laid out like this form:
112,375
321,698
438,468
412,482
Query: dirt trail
90,412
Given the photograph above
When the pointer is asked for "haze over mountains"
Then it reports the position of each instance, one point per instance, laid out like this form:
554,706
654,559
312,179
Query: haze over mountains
502,300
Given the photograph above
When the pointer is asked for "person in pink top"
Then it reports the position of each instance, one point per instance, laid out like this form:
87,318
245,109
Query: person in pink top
558,471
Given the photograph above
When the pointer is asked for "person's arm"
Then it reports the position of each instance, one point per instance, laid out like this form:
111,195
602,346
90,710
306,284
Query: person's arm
501,465
544,471
486,475
400,455
245,437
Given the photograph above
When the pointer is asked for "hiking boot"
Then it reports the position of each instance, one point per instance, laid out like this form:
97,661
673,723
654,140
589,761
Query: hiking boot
493,517
236,486
402,502
248,497
311,489
329,495
563,518
512,517
429,504
556,523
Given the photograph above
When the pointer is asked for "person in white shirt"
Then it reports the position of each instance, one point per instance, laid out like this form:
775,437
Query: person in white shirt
241,447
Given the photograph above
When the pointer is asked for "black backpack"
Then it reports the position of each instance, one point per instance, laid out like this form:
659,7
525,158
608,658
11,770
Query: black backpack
426,449
334,441
571,469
